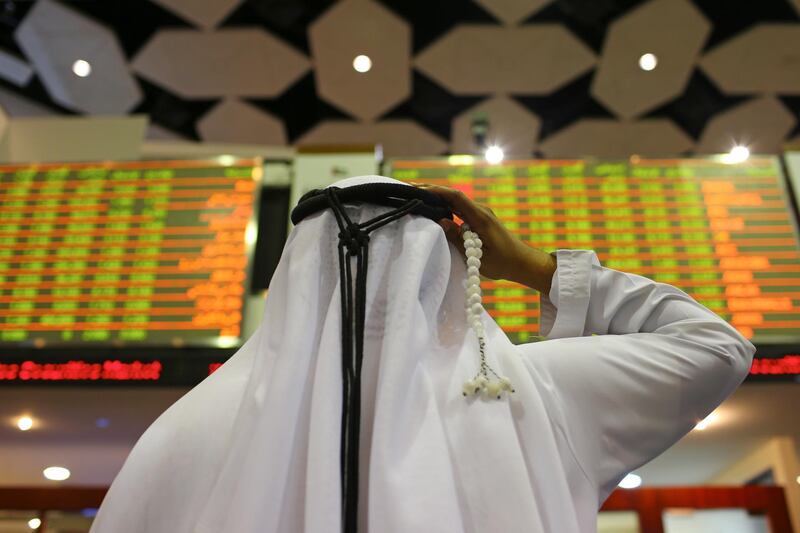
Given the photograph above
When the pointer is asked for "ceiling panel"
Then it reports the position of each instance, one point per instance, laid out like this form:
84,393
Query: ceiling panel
563,62
234,62
622,84
54,37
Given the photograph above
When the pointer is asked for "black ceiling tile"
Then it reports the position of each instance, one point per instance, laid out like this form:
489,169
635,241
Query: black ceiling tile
36,93
565,106
133,22
432,106
433,18
729,18
699,102
287,19
170,111
11,14
587,19
793,103
299,107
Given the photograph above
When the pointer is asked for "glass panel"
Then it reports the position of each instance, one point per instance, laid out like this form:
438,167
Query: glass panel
714,521
618,522
69,521
17,521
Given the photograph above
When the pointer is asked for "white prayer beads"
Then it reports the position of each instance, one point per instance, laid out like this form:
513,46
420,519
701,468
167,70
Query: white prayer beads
482,381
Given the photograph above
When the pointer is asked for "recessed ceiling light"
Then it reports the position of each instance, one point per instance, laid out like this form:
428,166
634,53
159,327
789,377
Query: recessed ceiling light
648,62
34,523
24,423
81,68
494,155
631,481
56,473
362,63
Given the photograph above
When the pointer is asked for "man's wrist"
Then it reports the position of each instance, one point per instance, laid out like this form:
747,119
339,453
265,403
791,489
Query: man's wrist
535,269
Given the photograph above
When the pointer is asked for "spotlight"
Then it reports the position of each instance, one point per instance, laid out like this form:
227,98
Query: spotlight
81,68
56,473
631,481
362,63
648,62
24,423
738,154
34,523
494,155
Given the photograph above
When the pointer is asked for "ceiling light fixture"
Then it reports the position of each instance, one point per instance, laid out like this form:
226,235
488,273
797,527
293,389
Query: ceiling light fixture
34,523
81,68
24,423
648,62
362,64
56,473
494,155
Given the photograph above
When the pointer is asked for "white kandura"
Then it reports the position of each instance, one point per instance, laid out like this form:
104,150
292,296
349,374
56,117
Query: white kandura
255,447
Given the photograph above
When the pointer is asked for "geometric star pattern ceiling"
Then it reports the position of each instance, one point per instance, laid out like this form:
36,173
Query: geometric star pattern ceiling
554,74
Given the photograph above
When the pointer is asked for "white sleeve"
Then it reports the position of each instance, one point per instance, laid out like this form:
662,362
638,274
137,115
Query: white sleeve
660,362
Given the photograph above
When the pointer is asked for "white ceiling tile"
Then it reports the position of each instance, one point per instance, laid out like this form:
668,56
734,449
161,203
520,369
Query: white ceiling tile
482,59
19,106
234,121
760,124
228,62
511,126
361,27
398,138
14,69
610,138
54,36
764,59
673,31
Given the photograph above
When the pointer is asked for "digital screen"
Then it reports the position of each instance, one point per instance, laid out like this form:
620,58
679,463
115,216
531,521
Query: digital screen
135,253
723,233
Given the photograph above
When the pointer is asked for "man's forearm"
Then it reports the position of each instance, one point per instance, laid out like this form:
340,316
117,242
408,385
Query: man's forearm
535,269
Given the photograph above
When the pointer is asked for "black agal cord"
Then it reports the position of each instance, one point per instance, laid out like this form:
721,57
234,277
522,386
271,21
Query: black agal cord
354,243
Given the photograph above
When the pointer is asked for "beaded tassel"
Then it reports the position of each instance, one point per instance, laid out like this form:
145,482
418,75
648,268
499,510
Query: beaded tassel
483,379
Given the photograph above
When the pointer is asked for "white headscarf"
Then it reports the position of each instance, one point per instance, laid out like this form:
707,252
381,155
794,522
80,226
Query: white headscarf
255,447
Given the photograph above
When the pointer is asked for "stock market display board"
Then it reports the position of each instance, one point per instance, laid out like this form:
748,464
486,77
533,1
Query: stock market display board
723,233
126,254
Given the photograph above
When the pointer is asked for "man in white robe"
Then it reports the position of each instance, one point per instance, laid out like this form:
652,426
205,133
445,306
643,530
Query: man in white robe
255,447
